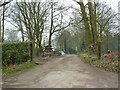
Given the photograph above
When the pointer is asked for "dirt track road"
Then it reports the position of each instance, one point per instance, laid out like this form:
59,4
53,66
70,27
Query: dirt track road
63,72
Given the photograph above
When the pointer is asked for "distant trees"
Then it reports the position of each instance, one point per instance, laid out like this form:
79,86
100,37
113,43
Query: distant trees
12,36
77,30
65,42
71,39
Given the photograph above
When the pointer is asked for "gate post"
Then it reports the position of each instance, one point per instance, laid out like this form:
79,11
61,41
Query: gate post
31,51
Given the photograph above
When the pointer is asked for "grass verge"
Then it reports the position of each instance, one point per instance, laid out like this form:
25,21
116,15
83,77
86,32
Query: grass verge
18,68
105,64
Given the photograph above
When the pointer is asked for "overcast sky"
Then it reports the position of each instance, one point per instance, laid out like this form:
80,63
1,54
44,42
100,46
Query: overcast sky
112,3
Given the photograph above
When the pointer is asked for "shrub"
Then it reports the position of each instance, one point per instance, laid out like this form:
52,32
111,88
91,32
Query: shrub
16,53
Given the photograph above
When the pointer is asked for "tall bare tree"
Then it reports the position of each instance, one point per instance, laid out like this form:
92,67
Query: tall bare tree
88,37
56,19
30,19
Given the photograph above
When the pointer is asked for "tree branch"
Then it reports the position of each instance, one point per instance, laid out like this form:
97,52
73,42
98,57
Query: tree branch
61,28
5,3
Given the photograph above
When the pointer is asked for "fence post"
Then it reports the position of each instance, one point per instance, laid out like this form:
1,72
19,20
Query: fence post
31,51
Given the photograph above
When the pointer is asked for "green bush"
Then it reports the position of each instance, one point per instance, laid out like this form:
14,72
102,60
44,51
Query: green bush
15,53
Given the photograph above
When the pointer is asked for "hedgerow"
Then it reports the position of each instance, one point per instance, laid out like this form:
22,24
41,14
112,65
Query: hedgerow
16,53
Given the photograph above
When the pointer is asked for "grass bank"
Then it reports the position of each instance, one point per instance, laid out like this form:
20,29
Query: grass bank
18,68
104,64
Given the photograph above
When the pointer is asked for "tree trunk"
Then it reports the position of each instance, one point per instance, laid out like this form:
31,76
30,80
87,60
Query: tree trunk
107,46
92,13
95,22
99,44
23,37
86,23
22,32
90,7
40,46
50,36
99,51
0,31
3,24
119,47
